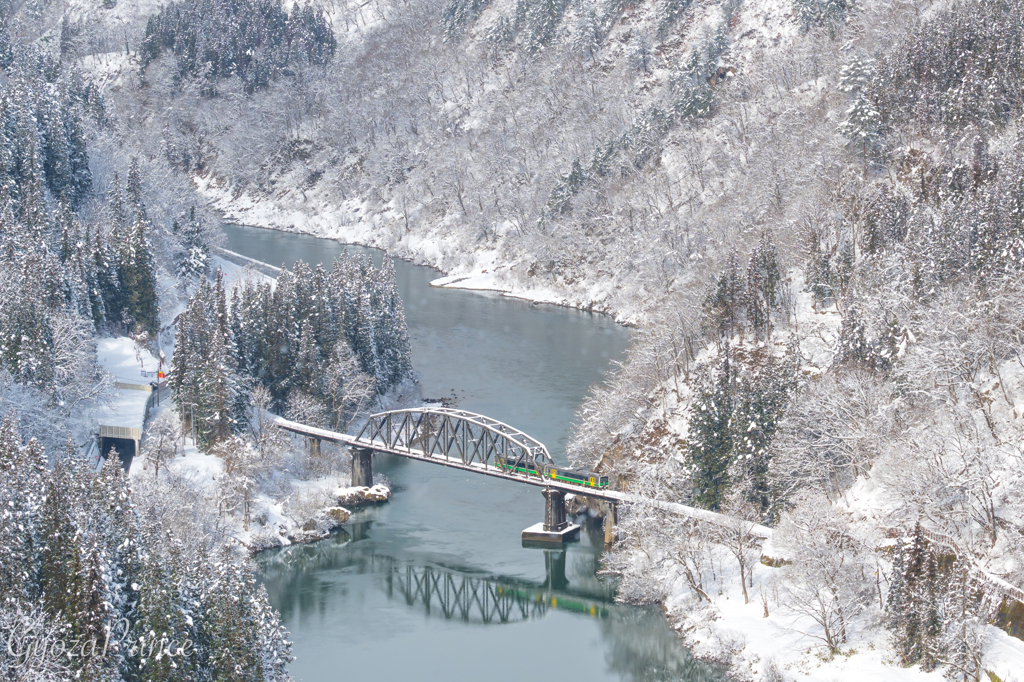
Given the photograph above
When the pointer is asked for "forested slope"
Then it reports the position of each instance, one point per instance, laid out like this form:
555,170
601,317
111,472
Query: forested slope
812,209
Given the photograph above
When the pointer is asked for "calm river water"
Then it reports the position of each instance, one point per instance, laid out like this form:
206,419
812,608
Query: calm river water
436,585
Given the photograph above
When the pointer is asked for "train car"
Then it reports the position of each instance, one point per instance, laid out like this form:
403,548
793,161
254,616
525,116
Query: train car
586,479
521,468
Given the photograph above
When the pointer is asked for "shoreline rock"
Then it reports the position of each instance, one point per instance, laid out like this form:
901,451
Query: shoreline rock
320,525
360,496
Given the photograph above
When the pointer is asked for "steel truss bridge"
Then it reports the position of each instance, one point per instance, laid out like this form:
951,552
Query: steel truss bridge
472,442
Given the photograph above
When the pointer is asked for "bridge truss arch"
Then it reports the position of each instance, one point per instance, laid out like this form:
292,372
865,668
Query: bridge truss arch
444,433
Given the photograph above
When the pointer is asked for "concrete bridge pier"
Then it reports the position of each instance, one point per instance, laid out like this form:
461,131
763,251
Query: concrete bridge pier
554,510
609,523
555,529
314,447
362,468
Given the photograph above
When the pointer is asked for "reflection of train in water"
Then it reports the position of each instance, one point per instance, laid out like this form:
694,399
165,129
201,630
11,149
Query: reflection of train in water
585,478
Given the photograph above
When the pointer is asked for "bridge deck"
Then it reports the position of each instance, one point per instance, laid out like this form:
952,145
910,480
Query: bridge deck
615,496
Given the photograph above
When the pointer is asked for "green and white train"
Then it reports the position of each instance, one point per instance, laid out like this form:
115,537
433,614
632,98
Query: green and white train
586,479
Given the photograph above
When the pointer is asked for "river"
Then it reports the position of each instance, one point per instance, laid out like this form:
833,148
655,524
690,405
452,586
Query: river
436,584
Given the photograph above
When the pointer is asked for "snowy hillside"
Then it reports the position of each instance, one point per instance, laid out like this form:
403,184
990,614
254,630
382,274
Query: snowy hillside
811,210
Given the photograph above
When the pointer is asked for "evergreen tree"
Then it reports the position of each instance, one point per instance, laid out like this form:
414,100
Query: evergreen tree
724,303
137,277
194,257
22,475
308,365
457,14
366,324
586,40
734,417
221,387
392,335
827,13
764,281
913,605
853,347
862,125
191,345
61,562
542,22
669,14
118,214
711,438
254,40
108,296
761,399
6,51
136,269
75,545
205,382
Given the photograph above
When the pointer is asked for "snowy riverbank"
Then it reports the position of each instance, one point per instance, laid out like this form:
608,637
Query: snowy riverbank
784,645
290,507
484,268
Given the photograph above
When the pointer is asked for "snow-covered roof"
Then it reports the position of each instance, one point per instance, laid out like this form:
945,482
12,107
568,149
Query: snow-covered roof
125,413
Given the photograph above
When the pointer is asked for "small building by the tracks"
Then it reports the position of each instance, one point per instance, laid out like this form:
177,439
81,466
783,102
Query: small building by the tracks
123,416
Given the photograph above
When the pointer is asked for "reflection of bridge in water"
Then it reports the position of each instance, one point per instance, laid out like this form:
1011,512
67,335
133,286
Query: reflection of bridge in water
444,591
640,646
490,601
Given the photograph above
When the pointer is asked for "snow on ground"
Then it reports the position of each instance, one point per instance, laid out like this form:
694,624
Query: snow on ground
298,511
758,29
125,408
1005,656
121,13
106,69
237,276
738,633
349,222
133,369
126,362
319,214
731,630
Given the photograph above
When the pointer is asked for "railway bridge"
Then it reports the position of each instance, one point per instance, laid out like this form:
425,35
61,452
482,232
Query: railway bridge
473,442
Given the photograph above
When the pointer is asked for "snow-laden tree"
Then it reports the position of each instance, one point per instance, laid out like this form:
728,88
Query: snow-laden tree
161,442
827,13
826,581
108,566
862,125
586,38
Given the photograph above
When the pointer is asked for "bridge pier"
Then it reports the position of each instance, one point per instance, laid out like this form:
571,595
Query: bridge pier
314,448
609,524
554,510
362,469
555,529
